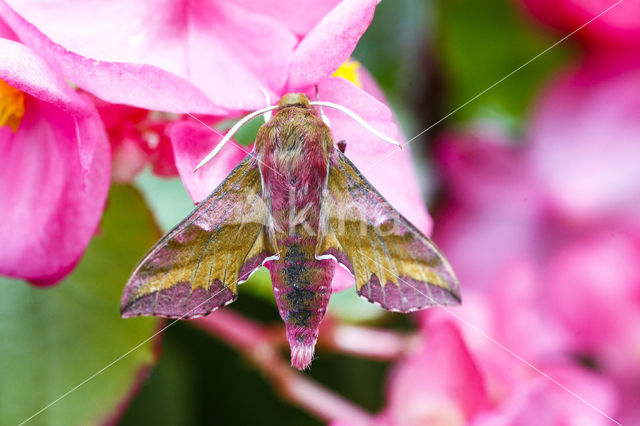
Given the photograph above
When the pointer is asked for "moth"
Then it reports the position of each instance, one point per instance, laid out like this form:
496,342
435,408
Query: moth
297,204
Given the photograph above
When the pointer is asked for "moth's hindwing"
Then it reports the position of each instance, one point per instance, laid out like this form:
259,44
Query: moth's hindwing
394,264
196,267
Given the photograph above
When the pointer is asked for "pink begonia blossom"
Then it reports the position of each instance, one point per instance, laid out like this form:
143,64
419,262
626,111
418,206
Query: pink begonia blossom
438,385
491,201
536,400
617,27
138,137
212,57
549,256
511,299
584,133
215,58
394,177
192,141
505,331
592,274
54,174
594,287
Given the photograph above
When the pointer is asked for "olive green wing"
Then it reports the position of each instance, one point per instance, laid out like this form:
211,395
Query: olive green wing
394,264
197,266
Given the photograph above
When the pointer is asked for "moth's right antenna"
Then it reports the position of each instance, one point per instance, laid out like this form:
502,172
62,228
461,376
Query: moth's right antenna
231,132
358,119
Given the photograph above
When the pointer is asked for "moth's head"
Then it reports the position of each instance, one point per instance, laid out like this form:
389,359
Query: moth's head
299,100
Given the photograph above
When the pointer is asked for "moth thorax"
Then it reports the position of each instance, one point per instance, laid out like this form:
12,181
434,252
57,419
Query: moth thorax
294,100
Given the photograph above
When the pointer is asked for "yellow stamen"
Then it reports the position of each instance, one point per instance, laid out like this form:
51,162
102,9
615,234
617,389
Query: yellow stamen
11,106
349,71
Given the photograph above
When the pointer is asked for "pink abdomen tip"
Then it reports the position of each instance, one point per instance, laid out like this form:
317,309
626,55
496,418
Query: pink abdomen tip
302,355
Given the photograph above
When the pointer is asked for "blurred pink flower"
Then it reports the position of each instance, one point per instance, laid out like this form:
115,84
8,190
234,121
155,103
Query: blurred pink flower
54,173
584,146
509,326
532,399
515,296
394,176
545,238
618,27
438,385
492,212
210,57
594,288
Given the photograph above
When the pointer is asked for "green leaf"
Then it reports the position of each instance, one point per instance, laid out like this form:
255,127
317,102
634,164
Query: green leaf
393,47
166,197
168,397
53,339
259,285
481,42
347,306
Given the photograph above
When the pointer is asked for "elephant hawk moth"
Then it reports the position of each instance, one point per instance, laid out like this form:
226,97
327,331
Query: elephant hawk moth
299,206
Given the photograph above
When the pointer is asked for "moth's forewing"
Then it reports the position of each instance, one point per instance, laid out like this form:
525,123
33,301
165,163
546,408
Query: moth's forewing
394,264
196,267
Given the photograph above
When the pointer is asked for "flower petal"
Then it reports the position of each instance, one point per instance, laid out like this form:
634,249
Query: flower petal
618,25
173,56
138,137
330,43
594,285
6,32
440,384
23,69
586,156
54,172
191,143
51,202
493,203
300,16
539,401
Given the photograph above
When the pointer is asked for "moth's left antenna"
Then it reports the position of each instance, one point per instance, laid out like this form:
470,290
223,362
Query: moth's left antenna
231,132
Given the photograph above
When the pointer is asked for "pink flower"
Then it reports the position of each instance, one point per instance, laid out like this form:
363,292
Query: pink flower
202,57
584,141
533,399
54,173
594,287
617,27
508,332
138,137
492,202
216,58
394,176
547,235
439,385
213,58
515,297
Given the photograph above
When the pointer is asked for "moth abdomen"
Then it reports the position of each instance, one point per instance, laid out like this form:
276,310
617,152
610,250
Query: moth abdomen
302,287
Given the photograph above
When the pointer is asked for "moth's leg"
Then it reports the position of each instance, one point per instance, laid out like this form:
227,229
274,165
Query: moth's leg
342,145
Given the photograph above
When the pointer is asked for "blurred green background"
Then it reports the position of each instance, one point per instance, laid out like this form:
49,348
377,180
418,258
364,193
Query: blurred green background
430,57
